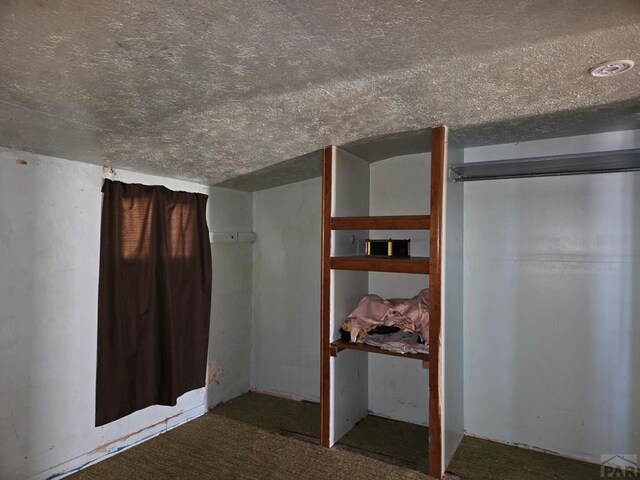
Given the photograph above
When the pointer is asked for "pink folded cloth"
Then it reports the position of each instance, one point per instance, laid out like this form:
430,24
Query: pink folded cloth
411,315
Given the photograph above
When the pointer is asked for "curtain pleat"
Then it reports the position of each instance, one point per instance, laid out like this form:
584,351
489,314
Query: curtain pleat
154,298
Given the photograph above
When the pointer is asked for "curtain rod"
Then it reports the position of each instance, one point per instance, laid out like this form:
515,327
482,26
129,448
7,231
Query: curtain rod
551,165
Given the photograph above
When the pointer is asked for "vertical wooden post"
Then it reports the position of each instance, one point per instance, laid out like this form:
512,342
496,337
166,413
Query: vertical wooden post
325,287
438,152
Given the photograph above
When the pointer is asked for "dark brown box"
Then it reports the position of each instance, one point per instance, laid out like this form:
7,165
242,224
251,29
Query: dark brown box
389,248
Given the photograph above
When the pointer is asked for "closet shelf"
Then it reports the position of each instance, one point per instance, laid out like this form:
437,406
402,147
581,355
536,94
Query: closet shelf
419,265
574,164
396,222
339,345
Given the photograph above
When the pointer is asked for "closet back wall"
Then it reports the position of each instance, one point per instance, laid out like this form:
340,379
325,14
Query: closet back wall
552,304
398,387
285,336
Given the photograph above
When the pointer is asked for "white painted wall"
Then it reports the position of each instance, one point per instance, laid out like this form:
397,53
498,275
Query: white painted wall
49,256
230,328
399,387
552,304
285,334
452,304
348,377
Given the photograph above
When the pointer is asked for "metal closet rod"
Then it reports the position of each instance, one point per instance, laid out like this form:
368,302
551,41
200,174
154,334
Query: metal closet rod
552,165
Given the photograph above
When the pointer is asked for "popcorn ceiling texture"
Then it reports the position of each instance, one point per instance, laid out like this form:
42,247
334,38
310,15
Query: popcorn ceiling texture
214,90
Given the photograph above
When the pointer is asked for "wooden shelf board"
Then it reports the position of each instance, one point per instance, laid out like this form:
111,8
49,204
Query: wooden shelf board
419,265
338,346
397,222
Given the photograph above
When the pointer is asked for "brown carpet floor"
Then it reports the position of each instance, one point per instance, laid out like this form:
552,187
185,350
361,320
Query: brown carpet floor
478,459
258,436
403,443
216,447
273,413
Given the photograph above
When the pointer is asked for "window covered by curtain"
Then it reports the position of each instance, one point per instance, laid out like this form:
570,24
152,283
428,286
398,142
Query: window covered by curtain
154,298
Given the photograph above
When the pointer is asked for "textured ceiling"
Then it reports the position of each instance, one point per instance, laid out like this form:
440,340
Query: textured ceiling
213,90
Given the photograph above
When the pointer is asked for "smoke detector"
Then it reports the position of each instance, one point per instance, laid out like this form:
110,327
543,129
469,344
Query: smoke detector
611,69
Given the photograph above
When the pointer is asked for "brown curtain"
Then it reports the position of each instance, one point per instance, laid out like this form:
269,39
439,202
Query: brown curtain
154,298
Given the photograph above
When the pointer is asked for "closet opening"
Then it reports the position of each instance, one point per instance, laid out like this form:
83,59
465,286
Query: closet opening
391,188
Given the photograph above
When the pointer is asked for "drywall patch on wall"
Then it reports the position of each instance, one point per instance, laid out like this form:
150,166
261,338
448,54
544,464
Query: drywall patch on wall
214,371
49,257
552,311
285,334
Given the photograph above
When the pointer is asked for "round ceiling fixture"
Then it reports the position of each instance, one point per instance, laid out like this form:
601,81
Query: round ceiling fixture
610,69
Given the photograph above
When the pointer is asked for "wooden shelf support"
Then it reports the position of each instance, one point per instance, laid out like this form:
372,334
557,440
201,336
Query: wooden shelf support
340,345
432,266
398,222
417,265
